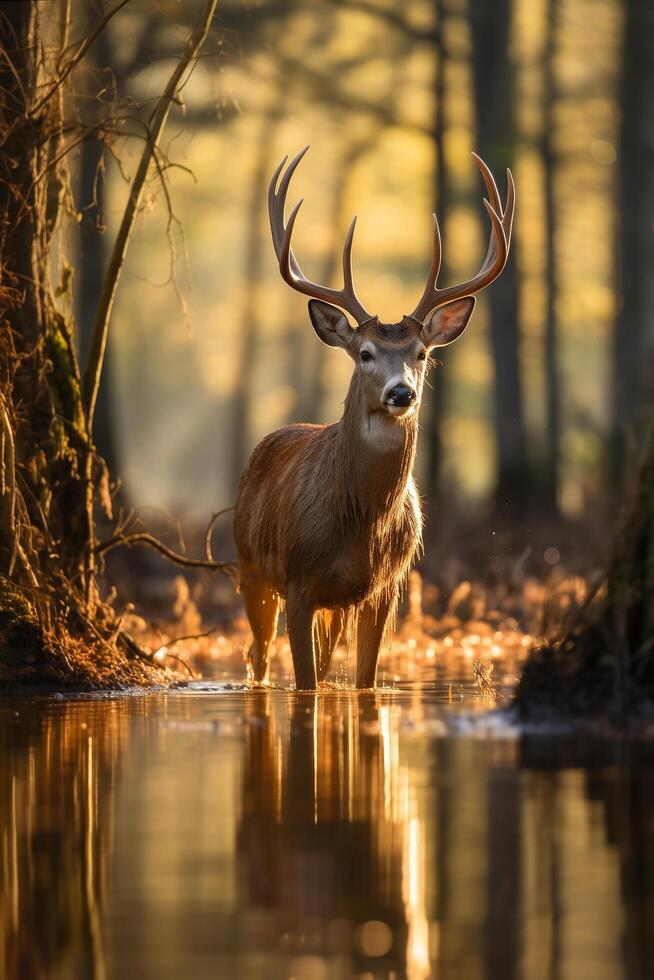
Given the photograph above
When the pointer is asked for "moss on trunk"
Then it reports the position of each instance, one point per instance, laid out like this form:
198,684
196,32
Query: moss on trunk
54,631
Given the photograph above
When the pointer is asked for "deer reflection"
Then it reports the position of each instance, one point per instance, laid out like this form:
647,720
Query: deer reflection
329,837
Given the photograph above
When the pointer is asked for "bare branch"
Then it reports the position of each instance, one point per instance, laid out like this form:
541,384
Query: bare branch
82,48
207,537
159,117
149,541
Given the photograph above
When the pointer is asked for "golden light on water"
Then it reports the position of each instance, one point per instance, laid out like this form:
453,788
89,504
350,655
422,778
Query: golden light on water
373,938
418,961
328,836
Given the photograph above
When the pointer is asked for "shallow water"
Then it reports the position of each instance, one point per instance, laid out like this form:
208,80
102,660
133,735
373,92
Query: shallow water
222,832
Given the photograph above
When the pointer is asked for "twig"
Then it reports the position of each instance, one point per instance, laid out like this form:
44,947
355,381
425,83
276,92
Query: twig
83,47
179,660
189,636
149,541
164,649
137,651
207,537
158,121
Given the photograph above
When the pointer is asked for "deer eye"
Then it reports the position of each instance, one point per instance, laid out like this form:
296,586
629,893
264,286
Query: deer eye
422,356
366,356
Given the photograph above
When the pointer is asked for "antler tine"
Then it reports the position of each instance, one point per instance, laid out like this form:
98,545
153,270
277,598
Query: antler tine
277,204
348,282
509,208
506,215
506,212
289,267
495,200
285,254
489,180
432,278
496,255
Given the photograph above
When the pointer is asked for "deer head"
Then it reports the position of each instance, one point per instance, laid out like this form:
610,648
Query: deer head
391,358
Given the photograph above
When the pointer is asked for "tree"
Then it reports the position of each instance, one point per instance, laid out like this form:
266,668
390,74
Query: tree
493,93
549,485
249,313
437,395
633,346
91,259
51,475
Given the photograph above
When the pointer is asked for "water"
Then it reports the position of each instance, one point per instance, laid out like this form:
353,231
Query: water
250,834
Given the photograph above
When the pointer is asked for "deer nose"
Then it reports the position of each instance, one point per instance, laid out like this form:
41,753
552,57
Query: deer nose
402,396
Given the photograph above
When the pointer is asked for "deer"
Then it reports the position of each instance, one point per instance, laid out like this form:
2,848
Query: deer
328,519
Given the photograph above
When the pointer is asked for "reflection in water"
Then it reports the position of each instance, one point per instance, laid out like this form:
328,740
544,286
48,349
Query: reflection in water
263,834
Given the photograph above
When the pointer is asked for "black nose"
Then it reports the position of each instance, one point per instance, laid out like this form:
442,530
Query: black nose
402,396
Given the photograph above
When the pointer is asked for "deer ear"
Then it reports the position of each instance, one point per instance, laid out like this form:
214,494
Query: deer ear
330,324
448,322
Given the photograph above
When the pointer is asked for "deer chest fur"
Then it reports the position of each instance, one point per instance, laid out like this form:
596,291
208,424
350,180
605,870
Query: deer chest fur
350,555
333,529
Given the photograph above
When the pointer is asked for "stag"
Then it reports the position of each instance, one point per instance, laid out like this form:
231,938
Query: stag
328,517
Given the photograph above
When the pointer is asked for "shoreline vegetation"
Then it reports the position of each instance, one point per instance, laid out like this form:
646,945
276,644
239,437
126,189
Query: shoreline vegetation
604,661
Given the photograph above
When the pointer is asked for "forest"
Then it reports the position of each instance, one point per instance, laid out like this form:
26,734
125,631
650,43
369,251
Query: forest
168,351
148,344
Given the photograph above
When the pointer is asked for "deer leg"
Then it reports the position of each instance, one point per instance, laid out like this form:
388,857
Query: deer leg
329,627
299,616
262,606
370,632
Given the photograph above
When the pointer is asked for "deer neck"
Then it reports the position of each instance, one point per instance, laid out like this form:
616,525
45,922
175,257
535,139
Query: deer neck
375,452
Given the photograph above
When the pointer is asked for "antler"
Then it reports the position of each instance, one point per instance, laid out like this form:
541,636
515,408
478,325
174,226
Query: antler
496,256
346,297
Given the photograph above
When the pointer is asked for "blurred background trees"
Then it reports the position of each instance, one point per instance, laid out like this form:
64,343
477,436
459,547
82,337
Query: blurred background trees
549,388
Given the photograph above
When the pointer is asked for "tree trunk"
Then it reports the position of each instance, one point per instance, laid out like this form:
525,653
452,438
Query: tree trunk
249,329
437,395
633,361
550,484
53,627
38,362
92,258
493,87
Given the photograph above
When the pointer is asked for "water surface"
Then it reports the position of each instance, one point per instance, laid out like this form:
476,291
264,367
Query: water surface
223,832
